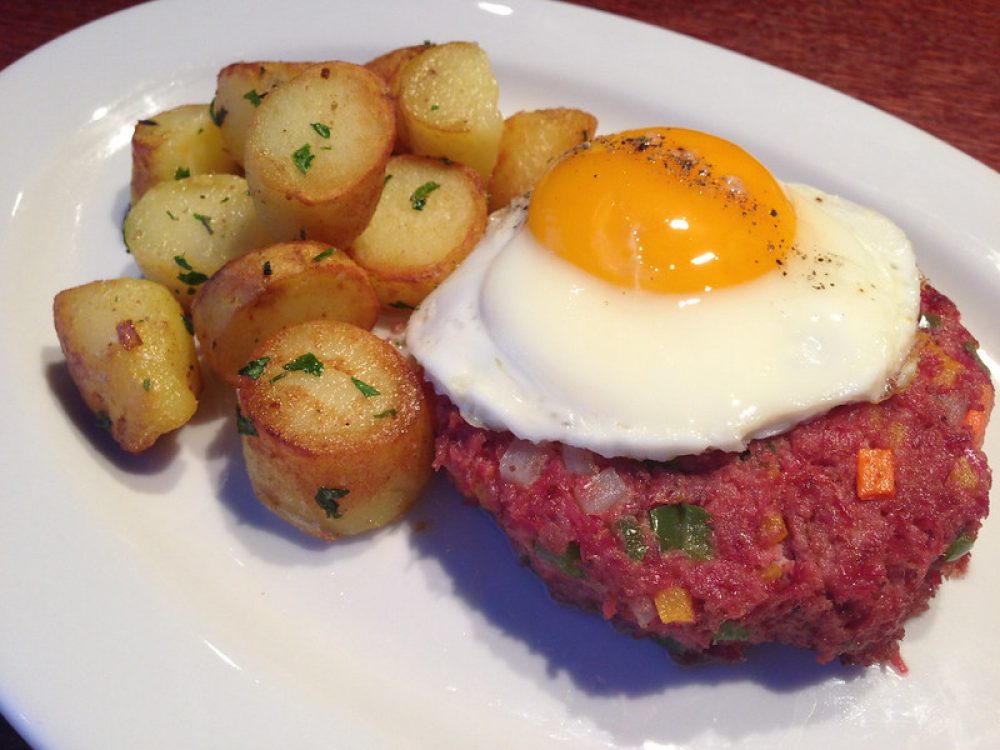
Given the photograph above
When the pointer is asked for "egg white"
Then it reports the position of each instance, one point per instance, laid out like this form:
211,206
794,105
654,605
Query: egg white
522,340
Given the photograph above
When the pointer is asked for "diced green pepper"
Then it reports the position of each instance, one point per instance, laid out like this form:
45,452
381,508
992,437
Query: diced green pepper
568,562
959,547
631,532
731,631
683,527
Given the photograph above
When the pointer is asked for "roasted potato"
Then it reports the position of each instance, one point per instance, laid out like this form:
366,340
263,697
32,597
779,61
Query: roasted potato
239,90
131,356
182,232
335,428
447,102
387,67
175,144
316,153
430,216
275,287
531,141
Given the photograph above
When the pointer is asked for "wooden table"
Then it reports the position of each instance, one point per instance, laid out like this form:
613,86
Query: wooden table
935,64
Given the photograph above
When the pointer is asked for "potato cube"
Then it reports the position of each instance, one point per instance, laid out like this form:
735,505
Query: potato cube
447,98
531,142
182,232
316,152
272,288
131,356
335,426
175,144
430,216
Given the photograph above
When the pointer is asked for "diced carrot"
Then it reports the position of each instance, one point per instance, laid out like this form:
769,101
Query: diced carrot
975,420
962,475
674,604
773,529
771,573
876,473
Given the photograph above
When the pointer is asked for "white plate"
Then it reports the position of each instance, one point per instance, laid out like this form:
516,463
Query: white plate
150,602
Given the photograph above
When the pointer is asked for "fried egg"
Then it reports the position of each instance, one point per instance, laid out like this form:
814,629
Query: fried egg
663,294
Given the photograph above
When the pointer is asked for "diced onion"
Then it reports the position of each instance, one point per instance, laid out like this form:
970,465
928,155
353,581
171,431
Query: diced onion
577,460
644,611
522,463
601,492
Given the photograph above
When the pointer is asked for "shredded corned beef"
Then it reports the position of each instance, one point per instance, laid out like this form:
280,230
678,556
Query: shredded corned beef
771,544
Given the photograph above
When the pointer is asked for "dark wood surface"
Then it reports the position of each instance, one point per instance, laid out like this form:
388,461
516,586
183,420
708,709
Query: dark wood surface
934,64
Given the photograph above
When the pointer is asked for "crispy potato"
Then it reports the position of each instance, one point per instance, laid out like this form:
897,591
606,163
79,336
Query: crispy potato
336,430
182,232
131,356
387,67
239,90
175,144
531,141
429,218
316,153
447,100
272,288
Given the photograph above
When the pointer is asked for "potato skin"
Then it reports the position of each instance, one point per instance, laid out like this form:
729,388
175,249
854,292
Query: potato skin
339,449
182,232
175,144
532,141
407,251
131,356
274,287
316,152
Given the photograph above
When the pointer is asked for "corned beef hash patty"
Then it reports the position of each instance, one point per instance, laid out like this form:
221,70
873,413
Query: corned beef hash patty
828,536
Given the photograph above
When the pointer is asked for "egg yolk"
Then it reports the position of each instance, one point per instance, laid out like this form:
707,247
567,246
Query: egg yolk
665,210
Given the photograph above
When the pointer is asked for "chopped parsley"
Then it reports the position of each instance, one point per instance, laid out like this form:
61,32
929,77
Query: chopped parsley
103,420
254,368
366,390
321,129
419,198
172,217
253,97
146,384
267,268
384,414
182,173
303,158
217,115
188,325
327,497
325,254
307,363
400,305
206,221
244,425
190,276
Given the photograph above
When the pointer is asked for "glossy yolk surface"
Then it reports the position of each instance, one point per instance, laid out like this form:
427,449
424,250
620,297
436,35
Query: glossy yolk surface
665,210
